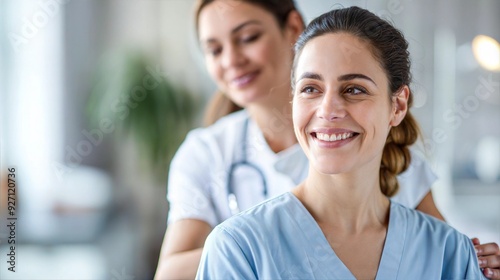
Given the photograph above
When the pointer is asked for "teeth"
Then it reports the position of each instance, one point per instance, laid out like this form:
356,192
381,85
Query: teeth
333,137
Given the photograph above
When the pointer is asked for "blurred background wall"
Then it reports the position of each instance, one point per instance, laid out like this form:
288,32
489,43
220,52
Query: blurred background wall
88,203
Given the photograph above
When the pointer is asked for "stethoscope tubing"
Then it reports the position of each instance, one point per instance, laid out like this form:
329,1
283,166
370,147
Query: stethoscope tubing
231,196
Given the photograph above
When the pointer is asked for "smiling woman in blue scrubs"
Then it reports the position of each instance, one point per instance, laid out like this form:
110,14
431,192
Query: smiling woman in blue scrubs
351,96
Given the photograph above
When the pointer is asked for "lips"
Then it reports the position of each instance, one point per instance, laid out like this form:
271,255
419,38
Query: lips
244,80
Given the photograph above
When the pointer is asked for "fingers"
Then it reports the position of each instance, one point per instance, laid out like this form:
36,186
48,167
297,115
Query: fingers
493,274
489,261
475,241
487,249
488,258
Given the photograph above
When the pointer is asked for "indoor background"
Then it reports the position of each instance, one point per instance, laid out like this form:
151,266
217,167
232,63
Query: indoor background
96,96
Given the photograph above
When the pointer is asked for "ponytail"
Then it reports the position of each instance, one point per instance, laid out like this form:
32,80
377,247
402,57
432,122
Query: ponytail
396,156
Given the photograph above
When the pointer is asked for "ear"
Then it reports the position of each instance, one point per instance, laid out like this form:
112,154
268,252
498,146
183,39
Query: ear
294,25
400,105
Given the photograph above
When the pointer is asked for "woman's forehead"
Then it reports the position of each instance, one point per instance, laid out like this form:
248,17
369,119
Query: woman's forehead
335,56
216,20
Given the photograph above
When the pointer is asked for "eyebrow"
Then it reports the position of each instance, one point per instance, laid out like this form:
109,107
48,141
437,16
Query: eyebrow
236,29
346,77
311,75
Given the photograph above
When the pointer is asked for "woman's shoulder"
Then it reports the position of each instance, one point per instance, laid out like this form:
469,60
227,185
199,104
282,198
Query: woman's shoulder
415,183
435,247
211,146
224,128
419,165
421,224
217,137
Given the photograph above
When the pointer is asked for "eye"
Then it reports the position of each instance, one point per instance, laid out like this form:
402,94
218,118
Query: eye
355,90
213,51
250,39
309,90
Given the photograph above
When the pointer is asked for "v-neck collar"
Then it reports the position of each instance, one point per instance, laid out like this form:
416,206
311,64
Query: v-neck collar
322,255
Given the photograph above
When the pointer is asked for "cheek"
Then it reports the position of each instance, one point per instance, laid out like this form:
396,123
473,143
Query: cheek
301,116
284,59
273,52
262,55
213,69
296,108
376,122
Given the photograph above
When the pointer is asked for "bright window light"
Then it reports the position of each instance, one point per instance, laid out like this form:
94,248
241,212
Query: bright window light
487,52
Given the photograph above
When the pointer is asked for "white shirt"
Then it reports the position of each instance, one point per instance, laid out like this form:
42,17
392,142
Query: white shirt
199,172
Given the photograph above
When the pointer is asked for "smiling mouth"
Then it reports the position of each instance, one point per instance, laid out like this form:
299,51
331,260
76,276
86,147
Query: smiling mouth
334,137
245,79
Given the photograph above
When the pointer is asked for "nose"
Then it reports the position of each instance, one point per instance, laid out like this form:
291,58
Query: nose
332,107
232,57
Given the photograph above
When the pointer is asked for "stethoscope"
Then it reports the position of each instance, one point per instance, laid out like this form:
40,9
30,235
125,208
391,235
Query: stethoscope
231,197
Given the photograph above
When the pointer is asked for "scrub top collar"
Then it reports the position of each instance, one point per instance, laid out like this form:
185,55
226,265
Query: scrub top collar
324,255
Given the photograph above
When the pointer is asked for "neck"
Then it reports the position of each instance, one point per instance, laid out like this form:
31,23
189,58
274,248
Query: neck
274,118
349,202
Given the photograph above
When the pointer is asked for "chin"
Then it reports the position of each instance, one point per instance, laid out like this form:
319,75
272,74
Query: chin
328,164
244,99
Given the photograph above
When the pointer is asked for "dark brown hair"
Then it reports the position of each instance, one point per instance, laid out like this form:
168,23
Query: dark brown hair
220,105
391,49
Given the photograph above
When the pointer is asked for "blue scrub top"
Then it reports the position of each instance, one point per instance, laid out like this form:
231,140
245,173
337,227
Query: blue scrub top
279,239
